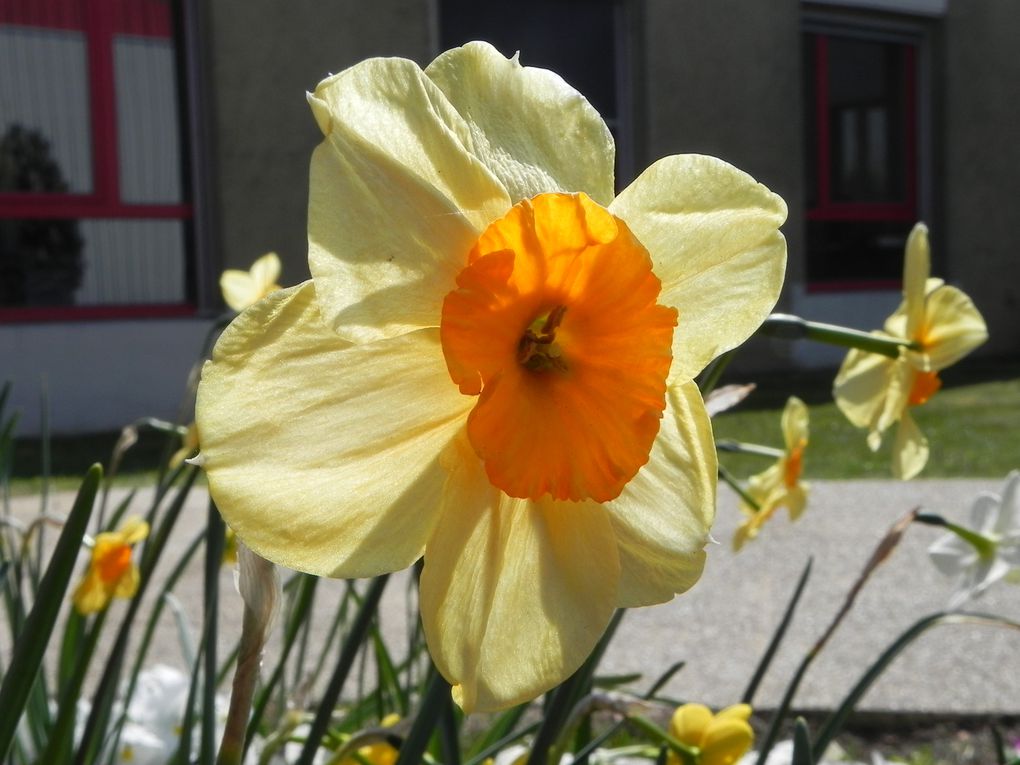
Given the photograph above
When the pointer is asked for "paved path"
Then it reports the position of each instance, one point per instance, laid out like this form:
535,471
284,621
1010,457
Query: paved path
722,626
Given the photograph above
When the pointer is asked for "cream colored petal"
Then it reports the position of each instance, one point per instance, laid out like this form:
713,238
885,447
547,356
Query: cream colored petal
713,234
896,324
796,500
238,289
396,199
690,723
529,127
955,326
663,517
861,384
910,449
514,593
323,456
266,273
133,530
897,396
795,423
916,269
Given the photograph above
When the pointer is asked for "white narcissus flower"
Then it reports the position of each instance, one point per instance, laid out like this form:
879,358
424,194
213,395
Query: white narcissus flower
492,365
875,391
995,519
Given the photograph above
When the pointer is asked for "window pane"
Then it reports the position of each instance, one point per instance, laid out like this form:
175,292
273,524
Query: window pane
867,120
92,262
45,127
148,120
856,251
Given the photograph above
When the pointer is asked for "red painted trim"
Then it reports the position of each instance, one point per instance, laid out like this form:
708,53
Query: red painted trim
863,212
102,94
72,206
140,18
854,285
95,312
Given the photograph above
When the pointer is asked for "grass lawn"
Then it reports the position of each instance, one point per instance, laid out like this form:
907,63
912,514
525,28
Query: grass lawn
973,428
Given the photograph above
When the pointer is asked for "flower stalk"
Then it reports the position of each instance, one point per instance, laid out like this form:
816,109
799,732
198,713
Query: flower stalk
788,327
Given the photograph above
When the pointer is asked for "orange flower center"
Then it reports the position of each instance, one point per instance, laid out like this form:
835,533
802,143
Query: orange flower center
554,325
794,466
926,385
113,562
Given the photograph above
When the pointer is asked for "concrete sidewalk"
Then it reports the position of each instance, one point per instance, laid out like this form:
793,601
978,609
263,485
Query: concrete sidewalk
721,628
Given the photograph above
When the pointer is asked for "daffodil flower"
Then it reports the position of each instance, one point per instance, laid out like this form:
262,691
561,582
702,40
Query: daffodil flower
492,364
720,739
941,326
780,485
244,288
112,571
988,550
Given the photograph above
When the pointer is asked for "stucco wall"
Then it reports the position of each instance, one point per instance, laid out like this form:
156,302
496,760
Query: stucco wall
723,78
264,56
982,181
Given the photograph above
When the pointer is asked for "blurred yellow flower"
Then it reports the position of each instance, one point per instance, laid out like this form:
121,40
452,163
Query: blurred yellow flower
721,739
483,368
379,752
779,485
112,571
189,445
875,391
244,288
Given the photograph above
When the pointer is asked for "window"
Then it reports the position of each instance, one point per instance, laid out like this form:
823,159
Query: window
862,150
95,214
580,40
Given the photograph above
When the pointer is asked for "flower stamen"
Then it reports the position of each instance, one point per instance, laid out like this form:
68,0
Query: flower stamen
537,349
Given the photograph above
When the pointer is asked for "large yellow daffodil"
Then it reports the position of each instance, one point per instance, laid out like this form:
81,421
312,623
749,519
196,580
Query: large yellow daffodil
943,326
720,739
780,485
487,366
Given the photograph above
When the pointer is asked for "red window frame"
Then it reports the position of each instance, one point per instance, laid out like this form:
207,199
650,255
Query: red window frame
828,209
102,20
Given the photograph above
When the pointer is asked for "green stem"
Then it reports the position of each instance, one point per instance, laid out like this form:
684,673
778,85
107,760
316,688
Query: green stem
985,547
688,754
789,327
731,479
741,447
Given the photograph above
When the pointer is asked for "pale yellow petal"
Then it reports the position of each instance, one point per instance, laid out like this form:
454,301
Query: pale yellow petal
133,530
897,396
529,127
955,327
916,269
796,500
127,585
726,741
713,234
514,593
860,385
795,423
396,199
265,272
910,449
321,455
663,517
690,723
238,289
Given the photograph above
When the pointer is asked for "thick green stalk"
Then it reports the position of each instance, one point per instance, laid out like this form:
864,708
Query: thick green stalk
789,327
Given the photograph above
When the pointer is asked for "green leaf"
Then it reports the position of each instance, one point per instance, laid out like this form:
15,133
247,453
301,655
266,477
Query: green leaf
28,652
434,705
801,744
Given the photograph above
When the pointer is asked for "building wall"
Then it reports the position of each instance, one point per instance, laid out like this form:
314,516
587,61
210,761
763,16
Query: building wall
723,78
982,162
264,56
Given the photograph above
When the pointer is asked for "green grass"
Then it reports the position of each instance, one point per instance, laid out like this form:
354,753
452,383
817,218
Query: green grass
973,431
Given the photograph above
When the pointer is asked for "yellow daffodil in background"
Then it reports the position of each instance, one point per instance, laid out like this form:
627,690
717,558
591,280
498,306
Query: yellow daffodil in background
244,288
875,391
492,364
721,739
189,445
378,752
112,571
780,485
